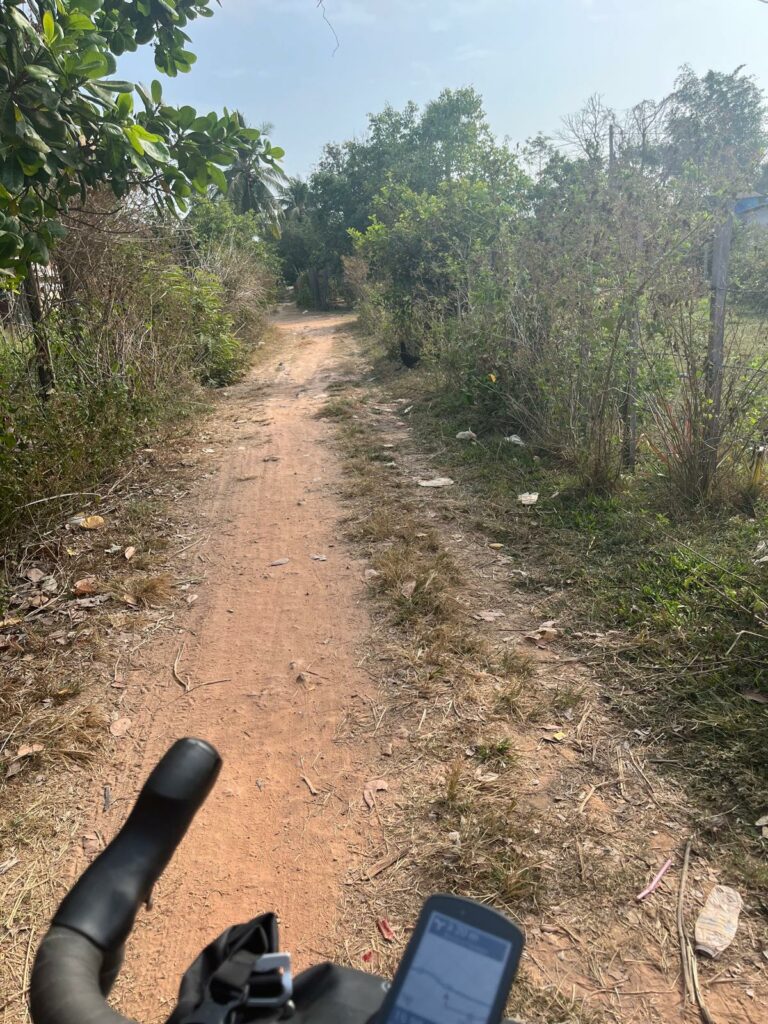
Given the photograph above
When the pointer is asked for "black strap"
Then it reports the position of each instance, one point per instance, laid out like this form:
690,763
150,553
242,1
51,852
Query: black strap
224,967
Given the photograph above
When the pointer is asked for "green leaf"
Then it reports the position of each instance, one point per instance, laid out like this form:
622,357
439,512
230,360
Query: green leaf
277,152
216,175
157,91
49,27
40,73
185,117
93,64
11,174
158,151
80,22
9,245
117,85
22,22
37,248
125,104
131,133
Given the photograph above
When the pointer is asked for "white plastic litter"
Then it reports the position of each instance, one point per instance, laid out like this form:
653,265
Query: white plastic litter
718,921
439,481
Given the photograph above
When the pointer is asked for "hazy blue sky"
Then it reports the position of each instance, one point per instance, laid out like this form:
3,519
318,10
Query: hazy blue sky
533,60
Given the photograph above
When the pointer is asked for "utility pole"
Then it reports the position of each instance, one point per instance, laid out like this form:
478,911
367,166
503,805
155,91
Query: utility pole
713,390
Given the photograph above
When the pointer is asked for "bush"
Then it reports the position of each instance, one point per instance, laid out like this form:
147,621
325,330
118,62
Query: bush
134,321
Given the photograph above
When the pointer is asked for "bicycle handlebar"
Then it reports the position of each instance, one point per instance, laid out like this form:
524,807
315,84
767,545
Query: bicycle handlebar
80,956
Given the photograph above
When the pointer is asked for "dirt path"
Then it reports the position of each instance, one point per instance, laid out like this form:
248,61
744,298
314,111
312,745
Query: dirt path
263,840
272,647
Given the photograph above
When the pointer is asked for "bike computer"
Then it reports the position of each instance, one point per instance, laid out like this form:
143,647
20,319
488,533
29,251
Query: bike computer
457,968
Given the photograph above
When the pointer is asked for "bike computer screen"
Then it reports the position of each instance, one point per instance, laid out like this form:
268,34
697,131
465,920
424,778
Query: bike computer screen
458,966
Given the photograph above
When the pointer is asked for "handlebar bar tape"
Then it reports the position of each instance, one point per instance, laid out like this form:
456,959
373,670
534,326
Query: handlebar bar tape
103,904
70,981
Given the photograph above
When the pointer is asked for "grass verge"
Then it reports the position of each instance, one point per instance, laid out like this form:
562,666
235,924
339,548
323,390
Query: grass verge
673,611
452,696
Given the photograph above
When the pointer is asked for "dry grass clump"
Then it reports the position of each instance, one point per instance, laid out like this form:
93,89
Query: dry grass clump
150,591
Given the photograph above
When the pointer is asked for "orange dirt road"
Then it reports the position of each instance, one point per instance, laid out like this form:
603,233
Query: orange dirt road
263,841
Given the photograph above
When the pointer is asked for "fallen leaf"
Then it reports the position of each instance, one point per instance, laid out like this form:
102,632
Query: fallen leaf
556,737
318,558
191,598
29,750
373,787
87,585
466,435
483,776
35,575
528,497
92,523
496,546
515,439
5,623
385,929
755,695
8,864
120,727
280,561
14,769
545,634
438,481
407,589
371,574
129,553
71,552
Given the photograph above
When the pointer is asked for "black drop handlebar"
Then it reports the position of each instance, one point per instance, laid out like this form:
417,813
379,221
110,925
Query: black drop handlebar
81,955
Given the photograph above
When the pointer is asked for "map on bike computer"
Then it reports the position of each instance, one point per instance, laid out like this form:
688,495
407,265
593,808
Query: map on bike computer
454,976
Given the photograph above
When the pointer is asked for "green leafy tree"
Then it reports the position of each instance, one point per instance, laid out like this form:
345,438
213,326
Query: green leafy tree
66,126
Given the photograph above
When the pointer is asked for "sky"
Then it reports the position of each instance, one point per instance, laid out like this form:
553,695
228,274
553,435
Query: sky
533,61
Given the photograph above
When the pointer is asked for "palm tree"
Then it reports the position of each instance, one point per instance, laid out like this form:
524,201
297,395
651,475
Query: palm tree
295,199
254,180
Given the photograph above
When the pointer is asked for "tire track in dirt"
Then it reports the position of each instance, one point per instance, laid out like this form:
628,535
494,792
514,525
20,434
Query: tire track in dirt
263,840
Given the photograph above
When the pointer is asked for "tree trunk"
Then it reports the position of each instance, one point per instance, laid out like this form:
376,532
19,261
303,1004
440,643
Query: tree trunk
42,357
713,388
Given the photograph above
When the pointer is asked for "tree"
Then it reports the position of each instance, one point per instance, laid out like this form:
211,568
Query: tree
295,198
715,134
66,126
448,141
253,179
